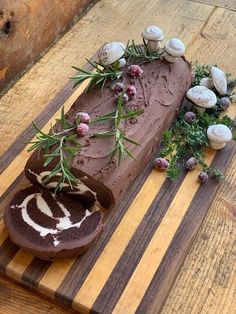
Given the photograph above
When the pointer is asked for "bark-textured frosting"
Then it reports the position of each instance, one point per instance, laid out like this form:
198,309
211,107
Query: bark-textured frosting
51,226
160,91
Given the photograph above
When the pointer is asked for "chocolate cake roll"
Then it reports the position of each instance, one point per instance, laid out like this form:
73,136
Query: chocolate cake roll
51,226
160,90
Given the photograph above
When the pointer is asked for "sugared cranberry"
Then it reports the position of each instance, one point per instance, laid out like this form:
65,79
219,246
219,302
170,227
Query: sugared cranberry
119,87
224,103
82,129
191,163
202,177
189,117
84,117
135,70
125,98
161,163
131,91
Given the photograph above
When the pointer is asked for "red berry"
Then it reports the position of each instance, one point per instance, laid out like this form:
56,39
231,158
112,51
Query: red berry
84,117
119,87
161,163
189,117
131,91
202,177
191,163
82,129
135,70
125,98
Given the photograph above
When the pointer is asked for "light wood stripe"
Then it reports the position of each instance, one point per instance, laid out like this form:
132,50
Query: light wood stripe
144,272
55,275
3,232
18,264
17,165
105,264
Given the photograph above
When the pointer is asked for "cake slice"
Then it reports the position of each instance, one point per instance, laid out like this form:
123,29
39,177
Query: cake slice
160,90
51,226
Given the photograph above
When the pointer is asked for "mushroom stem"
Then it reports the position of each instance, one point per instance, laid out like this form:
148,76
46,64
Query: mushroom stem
122,62
216,146
169,58
153,45
199,109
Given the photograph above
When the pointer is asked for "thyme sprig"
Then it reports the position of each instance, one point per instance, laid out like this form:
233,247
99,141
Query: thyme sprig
100,74
141,52
122,112
190,139
60,147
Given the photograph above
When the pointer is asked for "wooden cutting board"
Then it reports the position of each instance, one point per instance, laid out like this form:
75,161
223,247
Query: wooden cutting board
144,244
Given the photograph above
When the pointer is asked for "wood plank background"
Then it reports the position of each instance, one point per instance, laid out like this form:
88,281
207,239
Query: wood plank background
28,28
210,35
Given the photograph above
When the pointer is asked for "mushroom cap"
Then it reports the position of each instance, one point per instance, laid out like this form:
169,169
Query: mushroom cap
207,82
219,80
175,47
219,133
202,96
111,52
152,33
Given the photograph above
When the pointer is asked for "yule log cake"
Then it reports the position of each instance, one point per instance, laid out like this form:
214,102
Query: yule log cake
158,90
96,150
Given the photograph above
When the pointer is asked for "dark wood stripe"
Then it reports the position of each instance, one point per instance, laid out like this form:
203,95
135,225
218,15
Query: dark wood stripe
35,271
53,106
83,265
164,278
13,188
124,269
7,252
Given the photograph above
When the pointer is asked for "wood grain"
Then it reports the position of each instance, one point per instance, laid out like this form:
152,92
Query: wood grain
28,28
227,4
14,300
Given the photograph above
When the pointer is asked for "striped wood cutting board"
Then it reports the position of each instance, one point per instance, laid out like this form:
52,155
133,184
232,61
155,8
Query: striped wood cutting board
145,241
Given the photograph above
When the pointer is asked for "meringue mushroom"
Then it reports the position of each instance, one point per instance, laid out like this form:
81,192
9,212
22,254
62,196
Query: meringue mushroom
218,135
202,97
207,82
174,48
219,80
154,36
111,52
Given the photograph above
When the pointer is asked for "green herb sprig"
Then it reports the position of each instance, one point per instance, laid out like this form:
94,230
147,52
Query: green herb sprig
121,113
100,75
189,139
59,146
141,52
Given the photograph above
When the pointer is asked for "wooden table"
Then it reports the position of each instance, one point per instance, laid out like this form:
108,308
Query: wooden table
206,283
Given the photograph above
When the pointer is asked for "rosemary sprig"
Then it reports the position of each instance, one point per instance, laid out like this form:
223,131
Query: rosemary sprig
133,51
120,148
60,147
100,76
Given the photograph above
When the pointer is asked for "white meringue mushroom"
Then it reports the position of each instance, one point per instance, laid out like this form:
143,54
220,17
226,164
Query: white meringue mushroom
154,36
174,48
202,97
207,82
219,80
218,135
111,52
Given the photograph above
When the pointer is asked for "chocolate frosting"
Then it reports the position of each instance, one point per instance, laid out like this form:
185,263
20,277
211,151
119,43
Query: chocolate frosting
160,91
